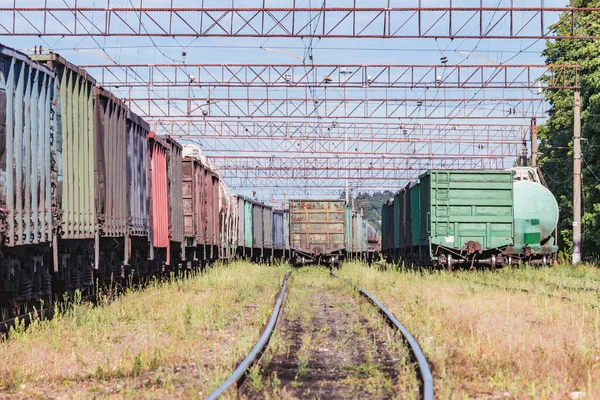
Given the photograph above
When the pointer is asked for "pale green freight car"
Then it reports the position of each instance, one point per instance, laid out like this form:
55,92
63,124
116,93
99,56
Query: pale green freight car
471,218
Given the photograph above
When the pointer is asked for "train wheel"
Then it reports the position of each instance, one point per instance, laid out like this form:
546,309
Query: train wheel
493,262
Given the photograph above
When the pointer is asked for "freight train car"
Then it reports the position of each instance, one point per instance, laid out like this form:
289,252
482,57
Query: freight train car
28,220
448,218
89,195
318,231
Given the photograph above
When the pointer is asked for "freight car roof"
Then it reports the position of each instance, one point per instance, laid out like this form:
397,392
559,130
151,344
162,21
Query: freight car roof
8,52
56,58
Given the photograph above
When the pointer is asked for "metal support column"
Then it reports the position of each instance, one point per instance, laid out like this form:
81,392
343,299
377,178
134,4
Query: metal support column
534,142
576,178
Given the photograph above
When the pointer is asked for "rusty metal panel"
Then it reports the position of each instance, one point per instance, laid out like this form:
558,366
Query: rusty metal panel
193,191
27,91
137,175
216,207
257,226
110,127
175,183
209,202
75,111
159,194
318,226
189,197
268,227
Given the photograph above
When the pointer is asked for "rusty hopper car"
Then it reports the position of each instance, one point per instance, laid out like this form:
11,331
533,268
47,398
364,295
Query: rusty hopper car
318,231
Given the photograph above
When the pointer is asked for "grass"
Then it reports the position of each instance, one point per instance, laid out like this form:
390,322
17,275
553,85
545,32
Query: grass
179,338
518,332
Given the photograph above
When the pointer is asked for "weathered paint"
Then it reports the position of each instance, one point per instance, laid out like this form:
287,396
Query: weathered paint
75,134
175,184
192,190
286,229
278,242
241,222
257,226
159,200
248,224
110,130
28,130
137,175
318,226
267,227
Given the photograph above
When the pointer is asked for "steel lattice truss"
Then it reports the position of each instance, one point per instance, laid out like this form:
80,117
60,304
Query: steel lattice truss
465,105
337,76
318,172
382,19
333,91
315,128
375,139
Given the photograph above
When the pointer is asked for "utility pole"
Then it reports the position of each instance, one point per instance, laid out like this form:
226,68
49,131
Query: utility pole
576,178
534,142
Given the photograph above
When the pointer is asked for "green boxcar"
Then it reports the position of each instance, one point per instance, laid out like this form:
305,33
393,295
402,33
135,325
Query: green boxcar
397,230
464,217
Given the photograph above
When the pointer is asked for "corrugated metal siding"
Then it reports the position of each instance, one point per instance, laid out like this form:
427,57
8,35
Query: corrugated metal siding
286,229
462,206
189,196
194,206
175,183
267,227
248,224
26,126
137,174
76,131
278,242
159,192
110,126
241,222
397,226
257,226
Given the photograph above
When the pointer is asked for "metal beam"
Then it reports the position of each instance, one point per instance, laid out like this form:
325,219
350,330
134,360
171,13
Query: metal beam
198,76
263,104
376,139
380,20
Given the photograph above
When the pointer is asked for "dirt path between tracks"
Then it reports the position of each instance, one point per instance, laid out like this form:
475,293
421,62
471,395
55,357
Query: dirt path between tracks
331,344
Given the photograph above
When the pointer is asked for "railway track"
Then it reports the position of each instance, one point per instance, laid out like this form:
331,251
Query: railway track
327,354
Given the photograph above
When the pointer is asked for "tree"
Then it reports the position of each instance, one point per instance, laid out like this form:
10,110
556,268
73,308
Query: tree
556,135
371,205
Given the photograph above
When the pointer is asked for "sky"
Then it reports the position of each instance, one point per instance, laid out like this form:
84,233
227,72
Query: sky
143,50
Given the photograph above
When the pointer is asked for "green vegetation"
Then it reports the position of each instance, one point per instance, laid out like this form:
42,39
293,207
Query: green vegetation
371,205
556,147
179,338
521,332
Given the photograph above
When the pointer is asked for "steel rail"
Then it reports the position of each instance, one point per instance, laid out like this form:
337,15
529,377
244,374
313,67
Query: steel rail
257,350
425,372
